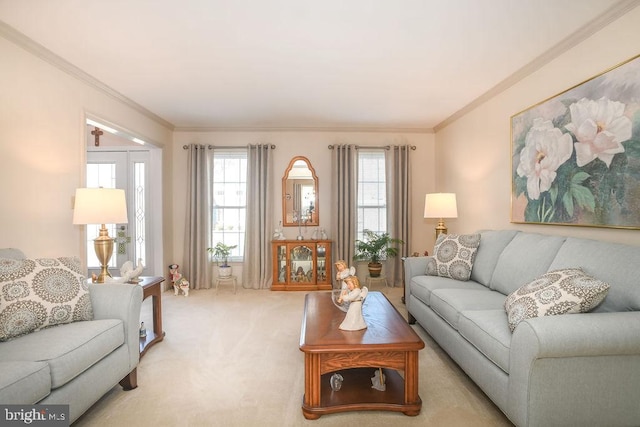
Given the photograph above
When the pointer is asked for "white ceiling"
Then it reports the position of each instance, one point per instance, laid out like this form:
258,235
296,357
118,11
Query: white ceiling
337,64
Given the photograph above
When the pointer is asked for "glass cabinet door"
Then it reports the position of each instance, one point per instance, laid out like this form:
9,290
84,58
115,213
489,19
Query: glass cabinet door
301,262
281,257
321,261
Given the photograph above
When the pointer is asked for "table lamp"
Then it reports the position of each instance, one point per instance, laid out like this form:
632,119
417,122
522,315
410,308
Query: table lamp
101,206
440,205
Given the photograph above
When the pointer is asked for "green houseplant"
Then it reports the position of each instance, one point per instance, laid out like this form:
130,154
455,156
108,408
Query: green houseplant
220,253
375,247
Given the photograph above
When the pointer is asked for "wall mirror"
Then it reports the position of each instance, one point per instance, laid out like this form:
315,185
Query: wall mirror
300,194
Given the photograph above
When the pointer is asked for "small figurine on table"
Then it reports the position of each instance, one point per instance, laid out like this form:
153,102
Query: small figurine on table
343,271
179,282
128,274
355,295
378,380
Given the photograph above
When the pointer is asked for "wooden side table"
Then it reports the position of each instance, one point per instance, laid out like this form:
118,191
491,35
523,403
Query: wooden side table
151,288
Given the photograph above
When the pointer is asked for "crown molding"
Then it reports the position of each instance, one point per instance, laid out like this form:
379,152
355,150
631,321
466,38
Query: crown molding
614,12
46,55
363,129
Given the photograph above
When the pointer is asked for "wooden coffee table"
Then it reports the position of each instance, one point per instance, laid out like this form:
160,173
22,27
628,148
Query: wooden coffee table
388,343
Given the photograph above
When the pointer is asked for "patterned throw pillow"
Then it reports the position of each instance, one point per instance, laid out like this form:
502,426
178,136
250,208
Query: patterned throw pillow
453,256
36,293
563,291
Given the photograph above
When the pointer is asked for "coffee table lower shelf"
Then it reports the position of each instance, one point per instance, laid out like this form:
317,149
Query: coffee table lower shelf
357,394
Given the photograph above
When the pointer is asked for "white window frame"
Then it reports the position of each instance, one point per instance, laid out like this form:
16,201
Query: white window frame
372,192
225,182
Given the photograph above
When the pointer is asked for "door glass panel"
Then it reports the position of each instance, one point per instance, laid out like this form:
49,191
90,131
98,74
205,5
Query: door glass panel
99,175
139,195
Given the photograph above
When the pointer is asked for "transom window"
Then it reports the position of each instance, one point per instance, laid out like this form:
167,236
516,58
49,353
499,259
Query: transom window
229,208
372,192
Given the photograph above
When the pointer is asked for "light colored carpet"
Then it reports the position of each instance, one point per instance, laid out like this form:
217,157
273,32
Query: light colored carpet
234,360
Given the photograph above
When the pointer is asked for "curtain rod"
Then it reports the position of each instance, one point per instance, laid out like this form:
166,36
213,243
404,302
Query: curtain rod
222,147
386,147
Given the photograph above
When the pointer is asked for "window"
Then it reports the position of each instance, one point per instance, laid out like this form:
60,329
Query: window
229,207
372,192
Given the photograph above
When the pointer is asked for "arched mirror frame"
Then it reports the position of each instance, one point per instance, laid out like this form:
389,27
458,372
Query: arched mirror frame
288,219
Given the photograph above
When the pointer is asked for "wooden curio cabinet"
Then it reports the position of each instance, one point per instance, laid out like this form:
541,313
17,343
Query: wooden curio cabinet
301,265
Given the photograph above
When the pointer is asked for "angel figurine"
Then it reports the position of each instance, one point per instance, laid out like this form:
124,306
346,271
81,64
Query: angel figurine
355,295
343,272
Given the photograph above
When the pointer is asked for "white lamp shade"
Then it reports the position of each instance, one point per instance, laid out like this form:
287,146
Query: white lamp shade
100,206
440,205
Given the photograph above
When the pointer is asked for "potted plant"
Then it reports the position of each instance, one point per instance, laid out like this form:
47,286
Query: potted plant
220,253
375,247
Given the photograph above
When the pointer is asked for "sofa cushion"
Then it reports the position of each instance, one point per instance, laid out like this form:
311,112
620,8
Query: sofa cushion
422,286
24,382
488,331
556,292
453,256
448,303
36,293
68,349
492,243
615,263
526,257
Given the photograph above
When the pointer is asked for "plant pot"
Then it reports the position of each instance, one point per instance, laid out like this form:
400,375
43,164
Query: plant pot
374,269
224,271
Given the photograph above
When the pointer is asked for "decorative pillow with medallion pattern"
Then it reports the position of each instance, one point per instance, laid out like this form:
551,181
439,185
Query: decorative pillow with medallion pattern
37,293
453,256
565,291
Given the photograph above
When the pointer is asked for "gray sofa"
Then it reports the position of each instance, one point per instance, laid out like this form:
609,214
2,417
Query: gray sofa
564,370
75,363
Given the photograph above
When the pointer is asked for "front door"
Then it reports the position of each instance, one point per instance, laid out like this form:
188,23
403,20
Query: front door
128,170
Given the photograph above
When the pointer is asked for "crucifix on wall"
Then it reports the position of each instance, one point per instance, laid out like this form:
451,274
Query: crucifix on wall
97,132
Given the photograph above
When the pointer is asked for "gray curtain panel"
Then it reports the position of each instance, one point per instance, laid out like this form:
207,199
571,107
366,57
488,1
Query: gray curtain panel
398,175
197,268
344,188
257,272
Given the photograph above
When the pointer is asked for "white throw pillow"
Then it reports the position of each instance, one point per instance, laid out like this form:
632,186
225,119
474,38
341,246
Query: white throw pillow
564,291
453,256
36,293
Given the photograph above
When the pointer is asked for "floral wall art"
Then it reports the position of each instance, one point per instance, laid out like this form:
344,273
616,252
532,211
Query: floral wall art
576,156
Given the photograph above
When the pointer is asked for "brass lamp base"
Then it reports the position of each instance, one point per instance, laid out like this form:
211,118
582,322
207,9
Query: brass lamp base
441,228
103,245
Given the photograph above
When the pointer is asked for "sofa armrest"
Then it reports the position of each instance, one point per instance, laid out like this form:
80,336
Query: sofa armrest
413,266
576,365
121,301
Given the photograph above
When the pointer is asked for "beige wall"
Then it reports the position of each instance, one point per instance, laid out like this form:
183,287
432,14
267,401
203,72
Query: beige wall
474,151
42,136
42,150
314,146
